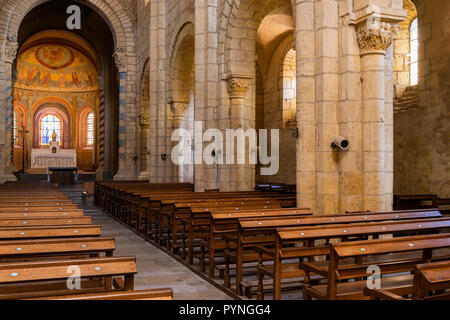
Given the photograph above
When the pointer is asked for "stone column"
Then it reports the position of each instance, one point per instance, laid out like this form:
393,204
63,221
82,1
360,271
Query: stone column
6,147
306,97
179,109
374,37
237,87
144,126
120,59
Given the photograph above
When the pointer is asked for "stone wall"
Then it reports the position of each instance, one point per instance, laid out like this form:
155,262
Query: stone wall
422,135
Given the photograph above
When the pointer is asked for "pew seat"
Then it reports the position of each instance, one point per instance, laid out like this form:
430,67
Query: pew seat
150,294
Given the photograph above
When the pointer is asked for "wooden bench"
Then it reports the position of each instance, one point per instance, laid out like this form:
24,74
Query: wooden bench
37,214
49,278
33,203
423,201
262,232
424,245
428,277
174,226
226,222
199,223
14,250
149,294
44,221
305,239
61,207
31,232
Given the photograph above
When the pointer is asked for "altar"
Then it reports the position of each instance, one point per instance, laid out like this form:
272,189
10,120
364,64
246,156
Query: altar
44,158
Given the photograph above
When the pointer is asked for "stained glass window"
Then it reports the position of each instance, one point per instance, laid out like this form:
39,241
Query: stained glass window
50,124
414,53
90,129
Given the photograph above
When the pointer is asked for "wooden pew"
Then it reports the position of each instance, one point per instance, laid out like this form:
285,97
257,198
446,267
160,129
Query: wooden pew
262,232
357,250
32,232
37,214
149,294
158,207
405,202
307,236
33,203
45,221
428,277
226,222
198,223
38,208
173,221
49,278
14,250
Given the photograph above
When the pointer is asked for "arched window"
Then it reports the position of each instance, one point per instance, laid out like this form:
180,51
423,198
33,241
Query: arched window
86,128
49,124
289,87
90,130
414,53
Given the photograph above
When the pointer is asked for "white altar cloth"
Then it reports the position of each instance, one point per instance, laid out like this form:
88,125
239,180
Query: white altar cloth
44,158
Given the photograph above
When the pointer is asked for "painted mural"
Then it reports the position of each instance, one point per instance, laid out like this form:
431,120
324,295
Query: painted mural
56,77
55,67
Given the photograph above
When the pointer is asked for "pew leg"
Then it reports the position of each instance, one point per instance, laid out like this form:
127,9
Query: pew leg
202,258
129,282
226,279
306,284
260,293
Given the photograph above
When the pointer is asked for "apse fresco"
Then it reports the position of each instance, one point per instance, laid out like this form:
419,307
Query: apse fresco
55,67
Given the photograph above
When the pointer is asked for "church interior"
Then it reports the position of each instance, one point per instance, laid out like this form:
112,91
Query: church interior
225,150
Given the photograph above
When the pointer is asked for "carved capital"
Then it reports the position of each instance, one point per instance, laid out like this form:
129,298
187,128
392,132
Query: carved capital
144,121
11,48
375,36
237,86
121,59
179,108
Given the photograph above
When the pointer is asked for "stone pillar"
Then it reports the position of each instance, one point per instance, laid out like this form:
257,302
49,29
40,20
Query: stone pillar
179,109
237,87
144,126
120,59
373,39
306,116
6,147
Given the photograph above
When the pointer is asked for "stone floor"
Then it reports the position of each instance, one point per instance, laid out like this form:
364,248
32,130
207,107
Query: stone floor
156,269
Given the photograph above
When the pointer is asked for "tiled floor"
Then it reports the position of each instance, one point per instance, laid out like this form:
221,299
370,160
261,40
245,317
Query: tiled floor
156,269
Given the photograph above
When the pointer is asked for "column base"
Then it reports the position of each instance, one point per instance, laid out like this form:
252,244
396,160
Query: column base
7,178
144,176
121,175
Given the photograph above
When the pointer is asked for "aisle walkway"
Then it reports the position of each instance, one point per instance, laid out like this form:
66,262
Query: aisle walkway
156,269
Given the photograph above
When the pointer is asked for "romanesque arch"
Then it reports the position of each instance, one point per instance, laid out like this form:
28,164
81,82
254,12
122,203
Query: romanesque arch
120,23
